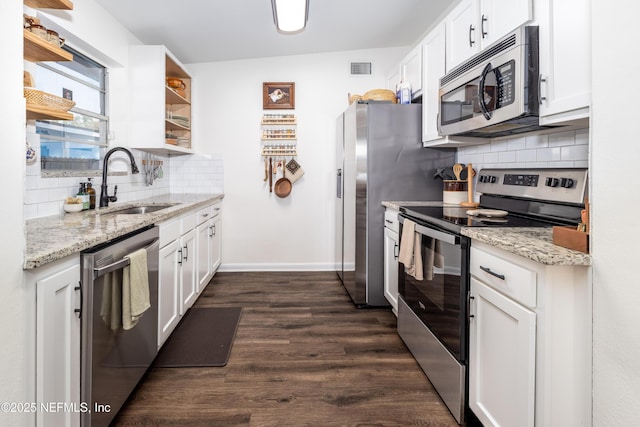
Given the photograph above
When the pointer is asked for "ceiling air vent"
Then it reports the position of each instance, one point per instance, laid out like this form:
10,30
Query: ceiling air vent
360,68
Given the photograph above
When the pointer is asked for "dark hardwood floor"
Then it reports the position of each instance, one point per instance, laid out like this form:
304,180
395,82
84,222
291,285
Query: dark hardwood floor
303,356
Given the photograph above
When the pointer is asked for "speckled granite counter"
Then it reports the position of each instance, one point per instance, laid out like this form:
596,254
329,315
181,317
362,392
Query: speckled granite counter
55,237
532,243
396,205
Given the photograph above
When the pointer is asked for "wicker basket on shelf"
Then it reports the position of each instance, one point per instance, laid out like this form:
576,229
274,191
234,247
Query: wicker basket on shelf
37,97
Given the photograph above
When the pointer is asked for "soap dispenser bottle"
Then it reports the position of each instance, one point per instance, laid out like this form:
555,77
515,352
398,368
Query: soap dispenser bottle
92,194
403,89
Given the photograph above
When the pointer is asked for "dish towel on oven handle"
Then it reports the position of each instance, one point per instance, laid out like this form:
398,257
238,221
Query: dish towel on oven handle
410,250
135,289
432,257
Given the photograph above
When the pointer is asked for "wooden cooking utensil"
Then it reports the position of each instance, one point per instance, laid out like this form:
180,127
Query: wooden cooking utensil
457,168
270,176
470,203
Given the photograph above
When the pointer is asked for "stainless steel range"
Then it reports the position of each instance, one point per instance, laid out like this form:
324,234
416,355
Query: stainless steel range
433,302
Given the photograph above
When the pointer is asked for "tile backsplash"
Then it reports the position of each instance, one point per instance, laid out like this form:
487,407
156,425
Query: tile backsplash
556,150
184,174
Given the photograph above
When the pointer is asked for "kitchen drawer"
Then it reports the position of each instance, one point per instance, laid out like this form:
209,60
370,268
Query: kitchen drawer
188,222
391,220
216,209
204,214
511,279
169,231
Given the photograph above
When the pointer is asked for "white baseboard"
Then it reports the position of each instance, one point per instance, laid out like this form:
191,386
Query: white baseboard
238,267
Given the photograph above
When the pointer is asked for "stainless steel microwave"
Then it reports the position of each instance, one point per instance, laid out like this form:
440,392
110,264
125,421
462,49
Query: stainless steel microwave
496,92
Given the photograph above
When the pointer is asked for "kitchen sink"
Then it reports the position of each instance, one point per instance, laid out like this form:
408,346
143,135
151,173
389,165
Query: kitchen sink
136,210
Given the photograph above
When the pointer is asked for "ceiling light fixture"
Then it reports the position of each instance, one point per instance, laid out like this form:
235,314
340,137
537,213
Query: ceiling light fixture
290,16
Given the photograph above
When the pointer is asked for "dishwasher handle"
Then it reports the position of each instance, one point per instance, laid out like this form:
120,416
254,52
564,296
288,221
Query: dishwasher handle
120,264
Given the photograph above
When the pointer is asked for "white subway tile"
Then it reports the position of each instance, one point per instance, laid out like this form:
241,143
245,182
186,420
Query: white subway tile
536,141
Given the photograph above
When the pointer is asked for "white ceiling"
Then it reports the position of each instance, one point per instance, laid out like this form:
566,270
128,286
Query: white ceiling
216,30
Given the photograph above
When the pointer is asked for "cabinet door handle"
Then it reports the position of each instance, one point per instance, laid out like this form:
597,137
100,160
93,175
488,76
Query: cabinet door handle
470,306
540,97
211,231
180,256
396,250
214,229
79,310
488,270
471,41
484,33
186,252
388,221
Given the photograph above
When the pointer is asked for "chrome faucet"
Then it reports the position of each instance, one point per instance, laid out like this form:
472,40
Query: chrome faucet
104,191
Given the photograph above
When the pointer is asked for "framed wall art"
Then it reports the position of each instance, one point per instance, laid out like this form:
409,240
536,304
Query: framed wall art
278,95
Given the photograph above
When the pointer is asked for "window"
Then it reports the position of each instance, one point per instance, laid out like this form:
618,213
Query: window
76,144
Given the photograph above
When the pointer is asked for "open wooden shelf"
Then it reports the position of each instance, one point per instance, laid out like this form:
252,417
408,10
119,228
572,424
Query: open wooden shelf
173,98
37,49
49,4
40,112
171,125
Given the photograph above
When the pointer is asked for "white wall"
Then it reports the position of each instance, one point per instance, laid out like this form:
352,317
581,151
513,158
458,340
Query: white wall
14,355
264,232
616,199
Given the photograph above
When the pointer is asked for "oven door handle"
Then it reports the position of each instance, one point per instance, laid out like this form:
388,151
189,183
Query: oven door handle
438,235
118,265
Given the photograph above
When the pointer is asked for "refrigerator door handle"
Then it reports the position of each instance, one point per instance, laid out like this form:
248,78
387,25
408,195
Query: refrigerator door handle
339,184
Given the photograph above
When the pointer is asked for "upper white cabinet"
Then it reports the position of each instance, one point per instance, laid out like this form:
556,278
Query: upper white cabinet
160,100
433,67
475,24
565,60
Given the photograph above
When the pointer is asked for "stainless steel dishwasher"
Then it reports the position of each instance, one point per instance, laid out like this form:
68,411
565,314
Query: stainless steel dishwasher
113,360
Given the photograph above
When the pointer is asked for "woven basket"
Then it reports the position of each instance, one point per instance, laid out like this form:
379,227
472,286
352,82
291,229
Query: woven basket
374,95
37,97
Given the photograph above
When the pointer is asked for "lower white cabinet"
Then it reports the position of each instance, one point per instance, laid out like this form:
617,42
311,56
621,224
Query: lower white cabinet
502,359
177,278
188,281
189,256
530,341
209,245
391,252
58,343
168,290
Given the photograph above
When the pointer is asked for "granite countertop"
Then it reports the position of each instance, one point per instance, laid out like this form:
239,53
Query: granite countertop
533,243
54,237
396,205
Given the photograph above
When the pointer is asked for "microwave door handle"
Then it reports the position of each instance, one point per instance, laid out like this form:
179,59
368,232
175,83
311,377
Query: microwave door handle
483,106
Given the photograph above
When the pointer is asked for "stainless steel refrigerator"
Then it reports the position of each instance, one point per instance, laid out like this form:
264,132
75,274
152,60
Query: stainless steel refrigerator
379,156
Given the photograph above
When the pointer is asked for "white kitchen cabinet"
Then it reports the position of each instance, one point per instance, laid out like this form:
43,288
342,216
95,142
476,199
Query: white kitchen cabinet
475,24
162,115
168,290
177,278
58,341
208,244
188,281
501,359
530,341
433,68
565,61
391,252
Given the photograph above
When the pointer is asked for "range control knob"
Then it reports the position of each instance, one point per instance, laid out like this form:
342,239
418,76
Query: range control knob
566,182
552,182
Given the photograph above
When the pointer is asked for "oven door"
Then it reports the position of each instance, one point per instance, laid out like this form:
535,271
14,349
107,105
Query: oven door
439,299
